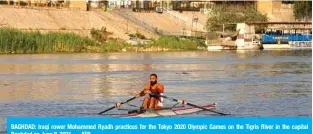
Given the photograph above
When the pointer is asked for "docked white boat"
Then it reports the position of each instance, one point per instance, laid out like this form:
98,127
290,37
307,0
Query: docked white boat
218,45
250,45
247,39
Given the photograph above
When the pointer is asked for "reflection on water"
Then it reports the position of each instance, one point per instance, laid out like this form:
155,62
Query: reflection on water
252,83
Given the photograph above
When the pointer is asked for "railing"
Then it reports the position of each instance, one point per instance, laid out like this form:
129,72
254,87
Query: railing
220,43
152,29
175,15
43,8
182,18
143,24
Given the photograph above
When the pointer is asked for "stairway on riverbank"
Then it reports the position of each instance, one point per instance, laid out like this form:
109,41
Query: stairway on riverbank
187,18
153,21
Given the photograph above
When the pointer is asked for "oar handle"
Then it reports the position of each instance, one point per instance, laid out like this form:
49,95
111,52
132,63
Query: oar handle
173,99
115,105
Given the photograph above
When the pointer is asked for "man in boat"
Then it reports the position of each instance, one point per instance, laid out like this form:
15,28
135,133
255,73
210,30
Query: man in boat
151,101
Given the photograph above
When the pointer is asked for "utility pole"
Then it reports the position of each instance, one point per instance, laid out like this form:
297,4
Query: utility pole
192,23
127,27
195,19
196,26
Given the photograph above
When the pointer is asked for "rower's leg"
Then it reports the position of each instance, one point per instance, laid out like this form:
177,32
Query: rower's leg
145,103
153,102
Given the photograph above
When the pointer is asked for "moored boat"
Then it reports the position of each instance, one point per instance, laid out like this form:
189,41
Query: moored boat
244,39
294,35
247,39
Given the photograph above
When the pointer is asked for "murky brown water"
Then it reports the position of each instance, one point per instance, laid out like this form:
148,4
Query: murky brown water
255,83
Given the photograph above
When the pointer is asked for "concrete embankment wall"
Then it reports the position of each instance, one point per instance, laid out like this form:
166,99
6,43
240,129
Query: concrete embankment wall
67,20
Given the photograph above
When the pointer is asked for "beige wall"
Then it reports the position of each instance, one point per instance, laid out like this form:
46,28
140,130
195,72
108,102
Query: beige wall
78,4
277,5
265,6
276,11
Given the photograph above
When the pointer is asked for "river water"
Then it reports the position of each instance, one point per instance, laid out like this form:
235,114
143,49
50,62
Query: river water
243,83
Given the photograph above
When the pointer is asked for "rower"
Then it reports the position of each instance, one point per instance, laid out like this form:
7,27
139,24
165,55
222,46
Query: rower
151,101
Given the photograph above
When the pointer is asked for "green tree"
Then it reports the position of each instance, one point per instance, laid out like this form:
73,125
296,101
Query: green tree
302,10
219,17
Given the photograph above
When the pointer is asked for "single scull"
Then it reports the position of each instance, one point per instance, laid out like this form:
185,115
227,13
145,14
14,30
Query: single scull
170,111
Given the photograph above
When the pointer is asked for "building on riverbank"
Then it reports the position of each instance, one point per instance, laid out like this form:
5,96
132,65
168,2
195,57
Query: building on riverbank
188,5
275,10
81,5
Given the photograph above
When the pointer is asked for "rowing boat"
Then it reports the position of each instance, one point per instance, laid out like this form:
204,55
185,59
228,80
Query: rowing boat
172,111
167,111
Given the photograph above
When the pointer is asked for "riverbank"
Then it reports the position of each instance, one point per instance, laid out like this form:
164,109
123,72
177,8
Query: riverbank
14,41
67,20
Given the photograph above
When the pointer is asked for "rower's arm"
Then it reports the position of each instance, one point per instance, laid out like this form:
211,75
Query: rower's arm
142,93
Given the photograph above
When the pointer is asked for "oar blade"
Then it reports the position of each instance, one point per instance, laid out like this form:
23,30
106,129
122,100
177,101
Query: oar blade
193,105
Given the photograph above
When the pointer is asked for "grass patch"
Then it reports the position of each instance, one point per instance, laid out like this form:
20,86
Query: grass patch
175,43
16,41
100,35
113,45
138,35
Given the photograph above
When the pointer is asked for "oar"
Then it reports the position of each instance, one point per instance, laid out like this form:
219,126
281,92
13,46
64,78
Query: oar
132,105
115,106
176,100
126,104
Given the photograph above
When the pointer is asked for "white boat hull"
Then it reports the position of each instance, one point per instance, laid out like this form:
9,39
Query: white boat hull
169,112
221,47
291,45
276,46
300,44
